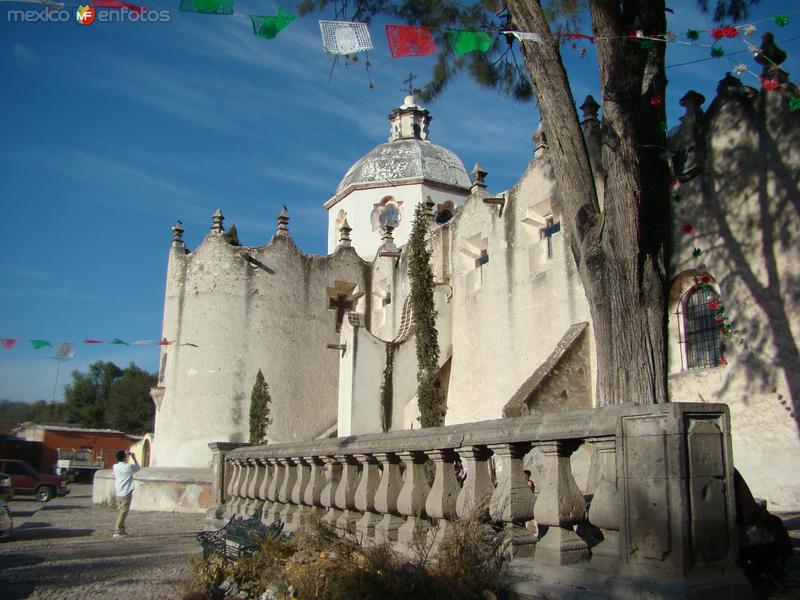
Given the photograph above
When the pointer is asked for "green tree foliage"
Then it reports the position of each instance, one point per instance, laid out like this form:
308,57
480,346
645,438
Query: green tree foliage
259,410
12,413
430,399
110,397
232,236
129,407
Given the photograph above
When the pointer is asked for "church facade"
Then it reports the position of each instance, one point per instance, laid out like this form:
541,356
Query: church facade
333,334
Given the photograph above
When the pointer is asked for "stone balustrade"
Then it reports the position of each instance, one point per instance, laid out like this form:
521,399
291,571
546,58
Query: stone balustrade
659,520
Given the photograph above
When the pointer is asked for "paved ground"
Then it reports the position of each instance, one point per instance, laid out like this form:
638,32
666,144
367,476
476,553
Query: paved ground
64,550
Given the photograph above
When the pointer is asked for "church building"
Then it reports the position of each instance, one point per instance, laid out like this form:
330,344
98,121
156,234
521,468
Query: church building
333,335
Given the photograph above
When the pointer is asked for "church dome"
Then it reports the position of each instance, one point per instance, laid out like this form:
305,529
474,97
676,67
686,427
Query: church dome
408,155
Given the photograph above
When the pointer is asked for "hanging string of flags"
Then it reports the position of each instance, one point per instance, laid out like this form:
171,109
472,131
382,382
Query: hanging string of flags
38,344
342,38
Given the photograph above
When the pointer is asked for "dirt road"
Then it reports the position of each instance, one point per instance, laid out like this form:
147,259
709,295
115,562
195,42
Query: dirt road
64,549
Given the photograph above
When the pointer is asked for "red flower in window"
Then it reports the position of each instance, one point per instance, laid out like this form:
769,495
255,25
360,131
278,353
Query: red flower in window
719,321
705,278
722,360
713,305
687,228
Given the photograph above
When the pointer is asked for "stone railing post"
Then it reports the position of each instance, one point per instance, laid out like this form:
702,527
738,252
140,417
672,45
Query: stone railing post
365,496
333,474
222,474
313,494
278,473
297,498
512,500
261,492
441,501
254,481
285,493
345,499
604,509
386,498
477,488
560,507
411,502
238,500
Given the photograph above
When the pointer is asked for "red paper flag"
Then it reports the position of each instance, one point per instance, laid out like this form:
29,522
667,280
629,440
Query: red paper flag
88,341
8,343
407,40
120,4
165,342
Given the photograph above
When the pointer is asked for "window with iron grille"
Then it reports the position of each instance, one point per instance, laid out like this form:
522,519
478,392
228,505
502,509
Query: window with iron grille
701,337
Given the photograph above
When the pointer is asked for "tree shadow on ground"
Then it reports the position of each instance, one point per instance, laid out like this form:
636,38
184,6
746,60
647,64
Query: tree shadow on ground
47,533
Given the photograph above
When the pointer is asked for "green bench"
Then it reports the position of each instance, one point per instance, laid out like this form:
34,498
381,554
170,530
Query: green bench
239,537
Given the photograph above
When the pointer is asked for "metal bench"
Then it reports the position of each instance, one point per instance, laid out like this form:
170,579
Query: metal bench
239,537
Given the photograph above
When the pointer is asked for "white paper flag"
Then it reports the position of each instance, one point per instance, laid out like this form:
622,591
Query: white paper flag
526,37
339,37
65,351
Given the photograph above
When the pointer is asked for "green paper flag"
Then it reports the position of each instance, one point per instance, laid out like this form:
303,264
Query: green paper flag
40,343
209,7
463,40
119,341
269,27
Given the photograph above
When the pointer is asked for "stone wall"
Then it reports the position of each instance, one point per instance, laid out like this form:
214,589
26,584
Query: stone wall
248,309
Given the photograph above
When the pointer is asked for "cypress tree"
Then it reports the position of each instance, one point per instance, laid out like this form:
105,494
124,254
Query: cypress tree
430,399
259,410
232,236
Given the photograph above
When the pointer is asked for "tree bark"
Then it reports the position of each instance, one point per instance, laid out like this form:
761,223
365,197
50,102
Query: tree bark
621,248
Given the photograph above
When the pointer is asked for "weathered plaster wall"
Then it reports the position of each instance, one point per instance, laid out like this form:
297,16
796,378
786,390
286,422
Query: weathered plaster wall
744,209
269,312
507,315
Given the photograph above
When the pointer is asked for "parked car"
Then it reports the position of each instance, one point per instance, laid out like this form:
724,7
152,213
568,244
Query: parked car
6,489
27,481
6,524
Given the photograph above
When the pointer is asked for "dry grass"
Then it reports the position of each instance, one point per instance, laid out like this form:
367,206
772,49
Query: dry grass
322,563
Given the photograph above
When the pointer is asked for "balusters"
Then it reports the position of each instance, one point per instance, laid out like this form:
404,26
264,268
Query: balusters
298,491
441,502
386,498
604,509
365,496
253,502
313,493
261,493
346,492
560,507
232,467
273,490
285,493
512,500
411,501
477,487
333,474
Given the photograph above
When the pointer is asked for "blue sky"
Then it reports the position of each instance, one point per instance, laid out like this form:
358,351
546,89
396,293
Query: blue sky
113,131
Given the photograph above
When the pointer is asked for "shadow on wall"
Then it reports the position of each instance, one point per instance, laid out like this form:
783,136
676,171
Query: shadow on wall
750,207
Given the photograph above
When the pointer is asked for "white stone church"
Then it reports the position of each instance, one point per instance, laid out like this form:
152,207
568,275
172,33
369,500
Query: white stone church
514,329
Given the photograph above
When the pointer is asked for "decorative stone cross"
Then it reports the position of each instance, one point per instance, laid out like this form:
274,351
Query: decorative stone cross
342,304
551,228
409,81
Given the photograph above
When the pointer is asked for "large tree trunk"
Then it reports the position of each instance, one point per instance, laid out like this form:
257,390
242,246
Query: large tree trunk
620,247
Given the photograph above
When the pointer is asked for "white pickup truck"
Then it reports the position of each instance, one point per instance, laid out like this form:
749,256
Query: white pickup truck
77,464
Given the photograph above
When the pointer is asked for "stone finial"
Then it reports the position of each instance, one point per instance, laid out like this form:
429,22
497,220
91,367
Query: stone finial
344,233
427,208
216,222
692,101
283,221
590,107
771,57
729,85
478,178
387,239
177,234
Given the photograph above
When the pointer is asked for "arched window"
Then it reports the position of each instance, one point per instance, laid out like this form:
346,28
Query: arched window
386,212
701,338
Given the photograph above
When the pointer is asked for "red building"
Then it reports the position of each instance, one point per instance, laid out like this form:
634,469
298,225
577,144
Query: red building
103,443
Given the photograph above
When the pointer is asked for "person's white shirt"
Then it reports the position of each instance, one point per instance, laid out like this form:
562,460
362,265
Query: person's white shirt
123,477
